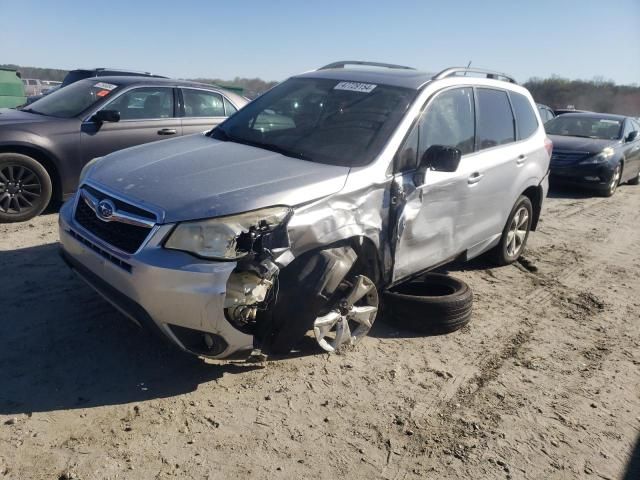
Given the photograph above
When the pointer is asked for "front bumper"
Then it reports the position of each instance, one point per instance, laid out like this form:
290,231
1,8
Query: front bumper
591,175
173,293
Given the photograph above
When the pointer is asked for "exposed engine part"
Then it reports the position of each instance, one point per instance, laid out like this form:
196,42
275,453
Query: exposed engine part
247,291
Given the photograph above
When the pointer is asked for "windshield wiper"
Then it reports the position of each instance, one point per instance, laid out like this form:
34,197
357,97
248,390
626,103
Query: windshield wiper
31,110
220,134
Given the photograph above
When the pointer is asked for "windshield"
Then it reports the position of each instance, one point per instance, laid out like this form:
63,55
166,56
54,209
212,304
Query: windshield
584,126
326,121
71,101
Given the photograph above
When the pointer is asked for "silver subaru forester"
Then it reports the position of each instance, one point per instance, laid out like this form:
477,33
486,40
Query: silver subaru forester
296,212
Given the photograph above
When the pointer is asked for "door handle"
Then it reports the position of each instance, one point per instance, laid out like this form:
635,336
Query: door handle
521,160
167,131
474,178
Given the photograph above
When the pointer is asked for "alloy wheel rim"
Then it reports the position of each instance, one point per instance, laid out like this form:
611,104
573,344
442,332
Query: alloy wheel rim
615,180
517,232
351,319
20,189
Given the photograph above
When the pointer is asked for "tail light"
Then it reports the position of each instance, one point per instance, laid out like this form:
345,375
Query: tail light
548,145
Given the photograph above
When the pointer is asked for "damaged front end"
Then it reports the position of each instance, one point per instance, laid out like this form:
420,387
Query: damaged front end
260,249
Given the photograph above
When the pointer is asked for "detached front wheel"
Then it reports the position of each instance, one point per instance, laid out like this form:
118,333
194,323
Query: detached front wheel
25,188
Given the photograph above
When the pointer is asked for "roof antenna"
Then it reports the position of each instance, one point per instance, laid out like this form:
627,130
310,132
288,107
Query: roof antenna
468,65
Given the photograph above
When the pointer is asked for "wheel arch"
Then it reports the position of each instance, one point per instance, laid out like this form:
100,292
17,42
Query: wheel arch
535,194
45,159
369,258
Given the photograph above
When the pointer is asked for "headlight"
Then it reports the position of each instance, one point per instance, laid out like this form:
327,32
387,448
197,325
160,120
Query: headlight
87,168
217,238
602,157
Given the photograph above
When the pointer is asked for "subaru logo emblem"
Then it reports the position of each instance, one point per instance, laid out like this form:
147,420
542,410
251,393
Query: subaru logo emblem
105,209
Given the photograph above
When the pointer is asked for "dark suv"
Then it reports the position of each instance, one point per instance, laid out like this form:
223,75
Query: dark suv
44,146
82,73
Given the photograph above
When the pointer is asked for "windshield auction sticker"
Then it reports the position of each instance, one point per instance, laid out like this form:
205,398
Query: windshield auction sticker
105,86
355,87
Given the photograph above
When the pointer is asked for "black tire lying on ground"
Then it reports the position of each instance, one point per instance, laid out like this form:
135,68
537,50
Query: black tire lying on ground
433,304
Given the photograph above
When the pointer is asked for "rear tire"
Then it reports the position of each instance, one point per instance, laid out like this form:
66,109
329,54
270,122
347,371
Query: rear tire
515,233
635,180
25,188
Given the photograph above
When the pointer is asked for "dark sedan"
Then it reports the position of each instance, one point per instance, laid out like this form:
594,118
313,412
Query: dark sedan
595,150
44,146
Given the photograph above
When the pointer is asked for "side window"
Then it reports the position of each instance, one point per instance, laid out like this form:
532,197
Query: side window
229,109
449,121
144,103
495,119
407,156
525,117
548,115
630,127
544,114
199,103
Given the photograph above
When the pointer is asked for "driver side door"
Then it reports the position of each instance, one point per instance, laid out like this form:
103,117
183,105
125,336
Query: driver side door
433,207
147,114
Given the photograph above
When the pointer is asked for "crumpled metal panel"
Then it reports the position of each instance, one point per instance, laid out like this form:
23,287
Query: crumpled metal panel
353,213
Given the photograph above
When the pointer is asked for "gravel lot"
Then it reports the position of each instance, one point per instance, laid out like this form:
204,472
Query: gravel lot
543,384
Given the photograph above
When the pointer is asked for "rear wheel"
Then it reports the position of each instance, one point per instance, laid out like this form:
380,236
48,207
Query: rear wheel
515,233
25,188
635,180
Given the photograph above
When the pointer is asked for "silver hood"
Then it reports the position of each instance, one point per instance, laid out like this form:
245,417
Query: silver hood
199,177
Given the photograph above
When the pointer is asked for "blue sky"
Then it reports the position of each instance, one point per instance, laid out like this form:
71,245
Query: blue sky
273,39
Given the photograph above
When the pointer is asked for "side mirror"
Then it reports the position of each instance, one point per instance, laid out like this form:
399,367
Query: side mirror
632,136
439,158
106,116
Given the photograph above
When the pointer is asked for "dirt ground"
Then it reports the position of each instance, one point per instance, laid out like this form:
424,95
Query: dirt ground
543,384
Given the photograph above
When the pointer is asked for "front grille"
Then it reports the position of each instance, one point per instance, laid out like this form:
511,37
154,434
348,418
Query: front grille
103,253
561,157
127,238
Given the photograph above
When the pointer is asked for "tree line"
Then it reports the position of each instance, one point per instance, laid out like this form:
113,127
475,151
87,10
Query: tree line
594,95
252,87
597,95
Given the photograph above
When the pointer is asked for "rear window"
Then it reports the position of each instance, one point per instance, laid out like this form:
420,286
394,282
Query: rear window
75,75
525,117
495,119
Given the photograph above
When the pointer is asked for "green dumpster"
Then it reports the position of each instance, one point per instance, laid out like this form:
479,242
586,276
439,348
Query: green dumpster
11,89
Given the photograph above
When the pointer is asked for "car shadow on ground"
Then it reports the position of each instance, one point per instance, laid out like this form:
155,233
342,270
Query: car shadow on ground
633,467
570,192
64,347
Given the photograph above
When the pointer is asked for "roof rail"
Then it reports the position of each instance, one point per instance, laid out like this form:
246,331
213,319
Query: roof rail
128,70
343,63
453,71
